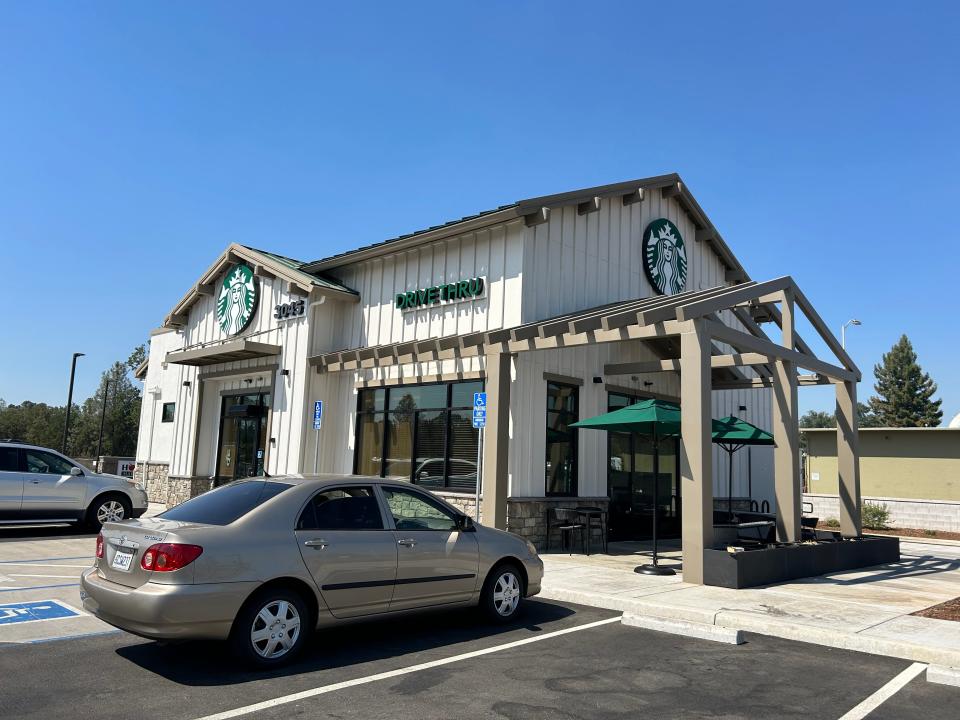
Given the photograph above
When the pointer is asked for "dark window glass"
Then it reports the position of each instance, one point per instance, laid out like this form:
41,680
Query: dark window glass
9,459
414,511
424,435
561,460
462,393
226,503
167,415
353,508
370,444
39,461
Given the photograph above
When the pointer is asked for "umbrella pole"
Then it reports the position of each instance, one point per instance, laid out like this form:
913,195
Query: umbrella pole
730,482
654,568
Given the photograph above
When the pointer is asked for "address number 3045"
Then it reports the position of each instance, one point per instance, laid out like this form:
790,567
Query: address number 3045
286,311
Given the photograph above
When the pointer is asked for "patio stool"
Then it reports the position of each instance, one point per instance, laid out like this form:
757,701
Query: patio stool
567,522
595,518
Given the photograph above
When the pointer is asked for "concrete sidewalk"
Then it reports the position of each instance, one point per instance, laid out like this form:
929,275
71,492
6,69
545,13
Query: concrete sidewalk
867,610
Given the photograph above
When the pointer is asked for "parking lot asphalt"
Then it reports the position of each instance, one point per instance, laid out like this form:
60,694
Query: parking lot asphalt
559,661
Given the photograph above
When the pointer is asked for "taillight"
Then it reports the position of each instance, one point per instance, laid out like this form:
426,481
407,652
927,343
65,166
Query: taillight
100,545
164,557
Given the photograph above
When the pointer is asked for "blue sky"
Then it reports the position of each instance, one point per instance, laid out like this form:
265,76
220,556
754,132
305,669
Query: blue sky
138,140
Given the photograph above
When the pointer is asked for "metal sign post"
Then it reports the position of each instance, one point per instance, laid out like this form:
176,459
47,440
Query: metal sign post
479,422
317,422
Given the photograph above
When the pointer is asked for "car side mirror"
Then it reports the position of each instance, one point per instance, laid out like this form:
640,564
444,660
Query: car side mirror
76,471
465,523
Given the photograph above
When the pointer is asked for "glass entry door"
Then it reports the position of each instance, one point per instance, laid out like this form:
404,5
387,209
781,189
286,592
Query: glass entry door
630,483
243,429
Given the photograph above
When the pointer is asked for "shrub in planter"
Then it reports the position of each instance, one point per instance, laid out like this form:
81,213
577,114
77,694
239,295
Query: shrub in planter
831,522
875,516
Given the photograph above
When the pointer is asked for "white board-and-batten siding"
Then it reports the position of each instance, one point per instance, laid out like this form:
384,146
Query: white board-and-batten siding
194,441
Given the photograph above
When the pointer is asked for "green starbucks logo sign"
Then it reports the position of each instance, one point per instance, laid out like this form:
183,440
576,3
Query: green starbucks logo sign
664,257
237,299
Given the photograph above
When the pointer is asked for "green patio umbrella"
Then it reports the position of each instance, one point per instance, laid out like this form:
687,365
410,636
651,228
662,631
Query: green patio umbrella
731,433
656,419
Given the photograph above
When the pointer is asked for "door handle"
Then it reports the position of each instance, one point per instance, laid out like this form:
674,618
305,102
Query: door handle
320,544
407,542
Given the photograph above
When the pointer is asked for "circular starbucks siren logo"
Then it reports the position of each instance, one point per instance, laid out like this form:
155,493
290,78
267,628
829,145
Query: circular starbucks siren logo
237,300
664,257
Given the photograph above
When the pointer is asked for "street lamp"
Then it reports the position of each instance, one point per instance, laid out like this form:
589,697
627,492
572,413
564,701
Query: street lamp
66,424
843,331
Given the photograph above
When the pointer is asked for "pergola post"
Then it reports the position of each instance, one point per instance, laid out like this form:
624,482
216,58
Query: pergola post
848,459
786,434
496,441
696,451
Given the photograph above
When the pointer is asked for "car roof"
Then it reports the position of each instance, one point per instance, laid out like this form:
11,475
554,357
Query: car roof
332,479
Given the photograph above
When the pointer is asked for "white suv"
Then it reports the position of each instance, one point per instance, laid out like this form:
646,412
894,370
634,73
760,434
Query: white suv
39,485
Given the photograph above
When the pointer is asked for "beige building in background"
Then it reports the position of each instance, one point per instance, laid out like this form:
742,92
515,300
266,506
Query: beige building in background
918,463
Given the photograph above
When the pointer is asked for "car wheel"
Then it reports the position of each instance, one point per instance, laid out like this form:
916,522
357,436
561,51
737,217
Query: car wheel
502,593
271,628
109,508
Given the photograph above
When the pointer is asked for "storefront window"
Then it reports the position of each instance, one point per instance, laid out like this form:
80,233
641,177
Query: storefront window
421,433
561,462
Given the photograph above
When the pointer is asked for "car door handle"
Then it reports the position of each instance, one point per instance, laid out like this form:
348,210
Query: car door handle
407,542
320,544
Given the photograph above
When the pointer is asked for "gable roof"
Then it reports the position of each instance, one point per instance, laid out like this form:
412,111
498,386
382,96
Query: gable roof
534,210
264,264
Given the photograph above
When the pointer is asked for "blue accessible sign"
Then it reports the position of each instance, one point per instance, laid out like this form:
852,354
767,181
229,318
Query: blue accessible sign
317,414
36,610
480,410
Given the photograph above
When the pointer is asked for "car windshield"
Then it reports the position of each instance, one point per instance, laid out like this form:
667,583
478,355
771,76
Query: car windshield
225,504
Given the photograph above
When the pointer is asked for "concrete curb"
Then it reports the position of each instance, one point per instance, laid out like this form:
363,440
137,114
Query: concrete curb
943,675
762,625
685,628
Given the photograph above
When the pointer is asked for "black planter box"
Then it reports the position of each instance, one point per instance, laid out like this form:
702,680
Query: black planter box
751,568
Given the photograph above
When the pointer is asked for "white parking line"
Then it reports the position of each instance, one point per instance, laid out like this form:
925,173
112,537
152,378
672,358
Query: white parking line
62,577
885,693
30,564
323,689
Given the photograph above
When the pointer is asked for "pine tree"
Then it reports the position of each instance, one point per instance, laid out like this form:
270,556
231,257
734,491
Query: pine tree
904,391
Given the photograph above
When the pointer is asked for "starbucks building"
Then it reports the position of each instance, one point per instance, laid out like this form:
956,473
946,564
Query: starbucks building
558,307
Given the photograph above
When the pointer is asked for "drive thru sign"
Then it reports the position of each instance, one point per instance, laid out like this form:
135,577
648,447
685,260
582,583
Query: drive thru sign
317,414
479,410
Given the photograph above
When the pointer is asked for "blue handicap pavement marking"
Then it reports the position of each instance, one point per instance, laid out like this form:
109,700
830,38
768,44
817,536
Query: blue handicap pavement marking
36,610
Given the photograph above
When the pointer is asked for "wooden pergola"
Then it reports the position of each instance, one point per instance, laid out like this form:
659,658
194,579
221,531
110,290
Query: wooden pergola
684,330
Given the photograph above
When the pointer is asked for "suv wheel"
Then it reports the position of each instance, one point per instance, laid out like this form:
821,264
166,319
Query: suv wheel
109,508
502,593
271,628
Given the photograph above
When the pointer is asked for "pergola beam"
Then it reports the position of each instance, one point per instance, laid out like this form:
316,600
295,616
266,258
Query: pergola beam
742,341
673,364
733,296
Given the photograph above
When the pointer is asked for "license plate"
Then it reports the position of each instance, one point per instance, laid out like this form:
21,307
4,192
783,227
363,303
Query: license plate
121,560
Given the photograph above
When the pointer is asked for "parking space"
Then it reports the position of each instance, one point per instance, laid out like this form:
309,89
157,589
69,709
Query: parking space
560,661
40,566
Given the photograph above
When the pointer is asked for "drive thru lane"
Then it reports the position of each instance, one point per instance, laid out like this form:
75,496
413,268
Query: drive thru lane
594,671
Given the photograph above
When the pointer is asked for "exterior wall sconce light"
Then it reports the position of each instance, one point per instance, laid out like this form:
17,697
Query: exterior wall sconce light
597,379
284,372
186,383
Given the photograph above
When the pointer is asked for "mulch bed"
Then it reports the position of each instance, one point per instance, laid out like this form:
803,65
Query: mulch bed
904,532
950,610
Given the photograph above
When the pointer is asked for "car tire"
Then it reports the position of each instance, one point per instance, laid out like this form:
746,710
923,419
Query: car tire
108,508
261,636
502,595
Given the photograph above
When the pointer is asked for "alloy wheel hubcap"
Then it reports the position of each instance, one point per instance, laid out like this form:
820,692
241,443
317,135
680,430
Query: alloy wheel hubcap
275,629
506,594
110,511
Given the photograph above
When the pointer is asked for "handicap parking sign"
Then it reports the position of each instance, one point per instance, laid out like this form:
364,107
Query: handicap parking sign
479,410
37,610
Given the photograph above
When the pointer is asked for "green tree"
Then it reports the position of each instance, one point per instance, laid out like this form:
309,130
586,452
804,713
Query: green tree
904,392
818,419
122,418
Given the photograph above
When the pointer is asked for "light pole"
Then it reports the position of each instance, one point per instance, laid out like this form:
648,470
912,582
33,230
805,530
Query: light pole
843,331
66,424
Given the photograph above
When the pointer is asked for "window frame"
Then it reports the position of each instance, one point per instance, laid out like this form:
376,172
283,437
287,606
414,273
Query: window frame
163,412
385,413
24,452
573,441
384,517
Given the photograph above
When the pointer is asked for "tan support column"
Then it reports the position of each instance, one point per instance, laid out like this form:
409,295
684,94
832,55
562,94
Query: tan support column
496,441
696,451
848,459
786,435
